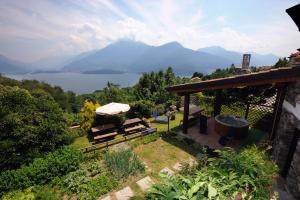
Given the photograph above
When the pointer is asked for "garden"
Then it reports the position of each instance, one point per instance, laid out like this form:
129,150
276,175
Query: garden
41,157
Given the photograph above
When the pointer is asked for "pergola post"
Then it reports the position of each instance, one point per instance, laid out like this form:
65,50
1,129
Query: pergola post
217,103
186,113
277,108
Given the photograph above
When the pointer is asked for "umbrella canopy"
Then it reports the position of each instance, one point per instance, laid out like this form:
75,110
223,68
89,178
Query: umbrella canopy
112,109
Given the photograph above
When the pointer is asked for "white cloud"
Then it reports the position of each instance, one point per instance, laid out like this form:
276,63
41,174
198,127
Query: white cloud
222,19
87,25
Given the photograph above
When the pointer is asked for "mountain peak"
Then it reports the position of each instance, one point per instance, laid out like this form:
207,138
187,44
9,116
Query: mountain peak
173,44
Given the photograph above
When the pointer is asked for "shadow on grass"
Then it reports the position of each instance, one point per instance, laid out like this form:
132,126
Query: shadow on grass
185,144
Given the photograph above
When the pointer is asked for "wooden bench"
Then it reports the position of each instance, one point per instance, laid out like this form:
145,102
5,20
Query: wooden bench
105,135
103,127
132,121
135,128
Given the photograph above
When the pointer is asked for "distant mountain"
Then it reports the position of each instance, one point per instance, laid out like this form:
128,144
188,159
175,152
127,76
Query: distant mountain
8,66
236,57
117,56
183,60
131,56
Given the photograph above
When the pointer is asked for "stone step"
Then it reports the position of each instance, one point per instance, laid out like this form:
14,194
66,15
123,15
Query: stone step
124,194
177,166
167,170
105,198
145,183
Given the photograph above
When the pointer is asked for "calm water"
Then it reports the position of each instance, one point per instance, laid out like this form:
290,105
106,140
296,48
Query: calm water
81,83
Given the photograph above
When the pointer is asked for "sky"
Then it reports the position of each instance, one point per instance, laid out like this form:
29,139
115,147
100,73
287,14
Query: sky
34,29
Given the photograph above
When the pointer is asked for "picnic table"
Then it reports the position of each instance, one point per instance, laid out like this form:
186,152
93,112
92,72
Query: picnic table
102,136
134,128
132,121
103,127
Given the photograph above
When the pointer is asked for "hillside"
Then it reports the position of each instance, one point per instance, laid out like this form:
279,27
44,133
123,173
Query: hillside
236,57
8,65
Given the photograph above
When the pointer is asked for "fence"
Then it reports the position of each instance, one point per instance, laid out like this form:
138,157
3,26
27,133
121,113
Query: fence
106,144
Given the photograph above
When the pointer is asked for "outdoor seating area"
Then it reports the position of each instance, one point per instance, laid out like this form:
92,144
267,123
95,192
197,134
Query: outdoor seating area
109,131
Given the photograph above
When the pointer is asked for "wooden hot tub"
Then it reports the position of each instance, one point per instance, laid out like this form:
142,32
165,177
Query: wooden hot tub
225,124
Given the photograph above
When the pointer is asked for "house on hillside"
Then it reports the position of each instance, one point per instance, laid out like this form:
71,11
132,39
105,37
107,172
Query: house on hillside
282,126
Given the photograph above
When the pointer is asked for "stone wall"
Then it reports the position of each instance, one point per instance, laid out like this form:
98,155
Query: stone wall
288,125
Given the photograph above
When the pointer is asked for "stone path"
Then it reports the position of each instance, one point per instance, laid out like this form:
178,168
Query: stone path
106,198
145,183
167,170
177,166
124,194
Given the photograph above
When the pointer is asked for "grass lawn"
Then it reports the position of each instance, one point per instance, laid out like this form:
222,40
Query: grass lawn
80,142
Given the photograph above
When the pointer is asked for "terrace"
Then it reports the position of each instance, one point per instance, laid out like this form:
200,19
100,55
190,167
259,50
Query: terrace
263,115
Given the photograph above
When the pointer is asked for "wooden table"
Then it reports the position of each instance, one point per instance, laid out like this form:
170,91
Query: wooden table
132,121
103,128
105,135
134,128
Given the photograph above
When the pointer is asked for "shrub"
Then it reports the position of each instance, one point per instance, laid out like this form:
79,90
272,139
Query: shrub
140,109
100,185
41,170
248,173
30,124
88,114
123,163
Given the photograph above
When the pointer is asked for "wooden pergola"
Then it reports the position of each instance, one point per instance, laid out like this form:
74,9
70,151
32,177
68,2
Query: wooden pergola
276,77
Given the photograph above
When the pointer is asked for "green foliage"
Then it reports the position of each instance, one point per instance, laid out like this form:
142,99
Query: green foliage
27,194
66,100
282,63
72,118
88,114
152,87
30,124
140,109
41,170
113,93
45,193
248,173
136,198
123,163
100,185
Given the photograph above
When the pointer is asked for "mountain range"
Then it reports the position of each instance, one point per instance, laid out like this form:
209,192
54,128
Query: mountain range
131,56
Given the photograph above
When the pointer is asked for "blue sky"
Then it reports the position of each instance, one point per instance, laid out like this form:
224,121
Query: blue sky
35,29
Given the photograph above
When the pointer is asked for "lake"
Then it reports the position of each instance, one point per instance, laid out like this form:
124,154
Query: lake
80,83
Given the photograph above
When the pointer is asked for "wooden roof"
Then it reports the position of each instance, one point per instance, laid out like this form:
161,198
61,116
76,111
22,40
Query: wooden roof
281,75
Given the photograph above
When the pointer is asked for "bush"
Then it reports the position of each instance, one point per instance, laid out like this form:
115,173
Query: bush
41,170
100,185
248,173
123,163
30,124
140,109
88,115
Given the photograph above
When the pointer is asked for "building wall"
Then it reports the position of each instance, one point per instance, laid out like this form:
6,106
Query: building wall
289,123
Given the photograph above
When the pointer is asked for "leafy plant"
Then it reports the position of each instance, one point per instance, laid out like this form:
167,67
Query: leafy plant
30,124
88,114
249,174
41,170
123,163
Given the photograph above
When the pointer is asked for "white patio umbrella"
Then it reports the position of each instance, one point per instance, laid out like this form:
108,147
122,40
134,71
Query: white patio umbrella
112,109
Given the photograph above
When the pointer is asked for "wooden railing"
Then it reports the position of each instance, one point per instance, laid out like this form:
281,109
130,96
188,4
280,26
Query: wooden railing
125,138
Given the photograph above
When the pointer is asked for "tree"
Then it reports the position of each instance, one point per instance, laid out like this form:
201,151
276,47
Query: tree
197,74
282,63
88,115
29,125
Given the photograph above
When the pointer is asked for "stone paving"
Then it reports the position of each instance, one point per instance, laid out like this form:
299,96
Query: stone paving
145,183
167,170
177,166
124,194
106,198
